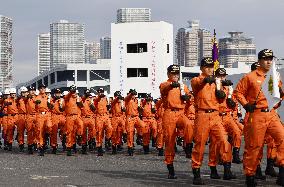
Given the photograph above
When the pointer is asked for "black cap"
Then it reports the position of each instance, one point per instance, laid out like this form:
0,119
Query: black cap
265,53
254,66
57,90
31,88
72,88
207,61
41,86
173,69
117,93
220,72
100,90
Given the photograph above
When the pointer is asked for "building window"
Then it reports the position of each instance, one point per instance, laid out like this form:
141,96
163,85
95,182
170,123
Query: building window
137,72
137,48
67,75
52,78
45,80
99,75
168,48
82,75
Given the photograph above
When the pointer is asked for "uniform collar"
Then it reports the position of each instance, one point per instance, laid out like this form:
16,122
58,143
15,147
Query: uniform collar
260,72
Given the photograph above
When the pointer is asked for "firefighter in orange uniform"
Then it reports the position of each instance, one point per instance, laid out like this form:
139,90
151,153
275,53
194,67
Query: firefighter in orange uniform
174,96
208,122
261,120
6,95
159,117
103,122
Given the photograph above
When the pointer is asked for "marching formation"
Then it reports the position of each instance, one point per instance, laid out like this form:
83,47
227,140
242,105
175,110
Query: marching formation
209,114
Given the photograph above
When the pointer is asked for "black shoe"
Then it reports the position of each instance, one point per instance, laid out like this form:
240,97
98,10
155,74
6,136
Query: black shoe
79,139
30,149
100,151
107,144
69,152
130,151
41,152
196,177
124,137
179,141
6,147
227,172
75,148
188,150
21,147
139,140
280,179
9,147
35,147
64,143
54,150
84,149
91,146
214,174
236,156
258,173
270,168
160,152
114,150
171,170
250,181
119,148
146,149
153,142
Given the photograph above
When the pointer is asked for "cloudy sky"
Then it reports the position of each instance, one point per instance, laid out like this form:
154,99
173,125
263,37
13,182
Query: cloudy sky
260,19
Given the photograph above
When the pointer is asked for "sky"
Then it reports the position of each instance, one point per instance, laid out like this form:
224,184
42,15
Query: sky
260,19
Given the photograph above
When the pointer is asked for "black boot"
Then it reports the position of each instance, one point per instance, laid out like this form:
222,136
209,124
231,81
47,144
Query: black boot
91,145
188,150
250,181
280,179
160,152
114,150
146,149
54,150
196,177
41,151
139,140
153,142
119,148
236,156
179,141
75,148
84,149
130,151
214,174
6,147
258,173
64,142
21,147
30,149
227,172
171,169
35,147
270,168
9,147
124,137
79,139
100,151
107,144
69,151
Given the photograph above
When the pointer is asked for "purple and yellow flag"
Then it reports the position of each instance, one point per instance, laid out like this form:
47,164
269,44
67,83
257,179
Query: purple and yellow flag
215,52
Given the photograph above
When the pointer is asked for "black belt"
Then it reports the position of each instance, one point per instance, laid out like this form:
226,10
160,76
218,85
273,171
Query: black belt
209,110
264,110
223,114
12,114
176,109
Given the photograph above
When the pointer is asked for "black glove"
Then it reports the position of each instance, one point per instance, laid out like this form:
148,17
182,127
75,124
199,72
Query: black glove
250,107
227,83
220,94
175,84
240,115
37,102
61,109
185,97
49,105
209,79
8,103
92,107
153,110
108,107
29,96
80,104
231,103
123,109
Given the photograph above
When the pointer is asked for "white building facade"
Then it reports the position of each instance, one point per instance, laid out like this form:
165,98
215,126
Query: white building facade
43,53
125,15
141,53
6,52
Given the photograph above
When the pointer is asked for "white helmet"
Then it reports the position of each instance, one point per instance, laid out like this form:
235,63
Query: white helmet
13,91
65,93
77,91
93,95
36,92
1,94
23,89
47,90
7,91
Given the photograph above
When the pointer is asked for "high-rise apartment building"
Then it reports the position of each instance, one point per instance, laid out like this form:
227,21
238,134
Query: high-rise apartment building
105,47
43,53
125,15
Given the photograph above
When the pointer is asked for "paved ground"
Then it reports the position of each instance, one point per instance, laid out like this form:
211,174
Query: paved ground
20,169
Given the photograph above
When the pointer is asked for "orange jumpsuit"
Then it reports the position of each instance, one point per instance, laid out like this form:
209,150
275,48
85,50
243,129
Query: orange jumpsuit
58,120
74,123
102,120
160,112
207,122
174,118
4,121
259,122
88,117
132,119
12,119
31,121
21,119
43,119
117,122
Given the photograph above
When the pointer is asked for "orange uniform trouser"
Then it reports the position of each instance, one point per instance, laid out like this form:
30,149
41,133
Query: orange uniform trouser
74,126
209,124
232,129
89,130
160,138
117,123
31,128
43,123
58,122
271,149
103,123
151,126
4,125
258,124
173,120
12,121
21,124
132,123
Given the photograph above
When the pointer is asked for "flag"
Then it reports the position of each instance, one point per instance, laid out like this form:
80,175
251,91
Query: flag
270,87
215,52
